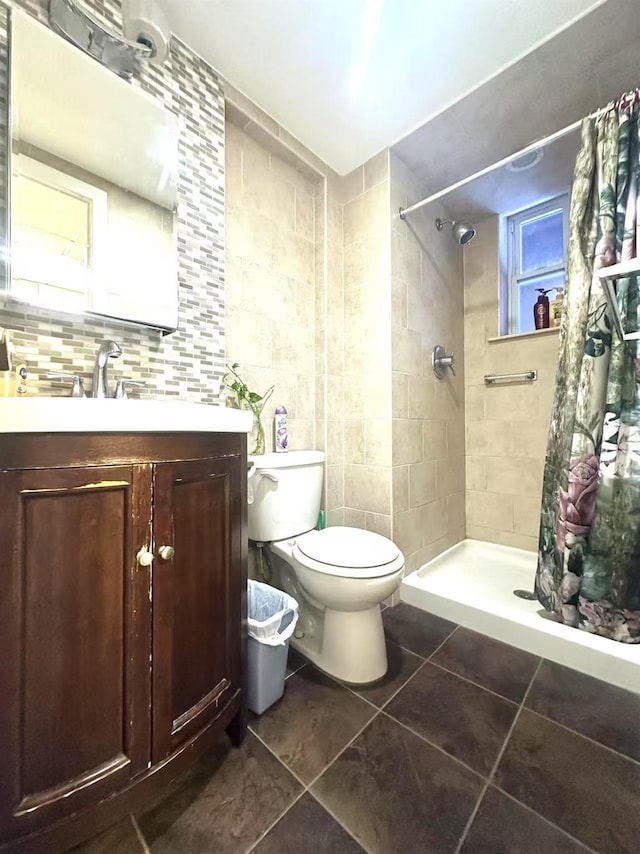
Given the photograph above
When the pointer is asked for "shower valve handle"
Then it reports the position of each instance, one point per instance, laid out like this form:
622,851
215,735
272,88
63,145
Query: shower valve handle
440,361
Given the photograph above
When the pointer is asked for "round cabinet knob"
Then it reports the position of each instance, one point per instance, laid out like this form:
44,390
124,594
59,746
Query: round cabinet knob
144,556
167,552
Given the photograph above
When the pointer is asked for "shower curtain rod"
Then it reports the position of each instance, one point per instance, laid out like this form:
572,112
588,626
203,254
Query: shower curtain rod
531,147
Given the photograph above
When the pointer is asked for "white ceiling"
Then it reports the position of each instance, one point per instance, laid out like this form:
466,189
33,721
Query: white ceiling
350,77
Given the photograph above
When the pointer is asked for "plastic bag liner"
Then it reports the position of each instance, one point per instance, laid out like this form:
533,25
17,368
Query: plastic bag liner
272,614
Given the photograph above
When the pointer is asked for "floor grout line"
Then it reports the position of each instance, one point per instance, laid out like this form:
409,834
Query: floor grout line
273,824
476,684
281,761
139,834
474,811
341,823
586,737
346,747
435,746
404,685
440,645
307,786
545,819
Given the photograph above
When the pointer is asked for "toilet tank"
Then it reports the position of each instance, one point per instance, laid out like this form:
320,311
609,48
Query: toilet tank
287,490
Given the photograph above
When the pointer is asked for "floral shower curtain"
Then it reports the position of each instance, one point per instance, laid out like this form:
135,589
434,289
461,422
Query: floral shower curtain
589,551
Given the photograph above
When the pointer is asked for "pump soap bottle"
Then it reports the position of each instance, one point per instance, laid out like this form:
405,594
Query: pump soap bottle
541,313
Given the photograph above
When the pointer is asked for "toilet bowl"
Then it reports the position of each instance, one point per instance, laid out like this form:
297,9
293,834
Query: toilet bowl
338,575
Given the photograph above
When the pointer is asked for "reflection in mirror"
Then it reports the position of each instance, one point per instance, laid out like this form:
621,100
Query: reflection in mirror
58,228
4,147
93,189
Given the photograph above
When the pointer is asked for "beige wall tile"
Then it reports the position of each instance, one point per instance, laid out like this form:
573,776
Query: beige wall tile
352,184
476,474
271,287
399,302
485,438
434,439
408,530
486,510
378,523
368,488
421,397
456,513
474,403
335,517
455,438
335,442
354,518
400,395
406,351
511,403
422,483
407,442
527,439
376,169
436,520
367,214
504,538
526,514
400,476
354,442
334,487
378,442
302,434
450,476
514,475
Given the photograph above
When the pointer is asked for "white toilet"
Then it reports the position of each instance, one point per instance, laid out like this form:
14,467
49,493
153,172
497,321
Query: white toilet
339,576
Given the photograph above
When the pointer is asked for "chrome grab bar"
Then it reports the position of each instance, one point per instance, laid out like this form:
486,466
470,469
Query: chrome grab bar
526,376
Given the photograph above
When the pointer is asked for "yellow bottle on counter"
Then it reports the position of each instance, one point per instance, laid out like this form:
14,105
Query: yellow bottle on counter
20,375
7,383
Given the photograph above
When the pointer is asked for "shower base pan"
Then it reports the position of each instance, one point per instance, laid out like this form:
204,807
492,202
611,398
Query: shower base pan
472,584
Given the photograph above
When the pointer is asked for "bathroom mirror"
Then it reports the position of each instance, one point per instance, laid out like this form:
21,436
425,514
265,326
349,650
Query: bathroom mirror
93,186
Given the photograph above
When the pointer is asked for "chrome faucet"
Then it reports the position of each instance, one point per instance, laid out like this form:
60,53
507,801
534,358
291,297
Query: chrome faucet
108,350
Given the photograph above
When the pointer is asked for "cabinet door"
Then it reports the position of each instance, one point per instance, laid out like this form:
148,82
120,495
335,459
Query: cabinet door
196,597
75,666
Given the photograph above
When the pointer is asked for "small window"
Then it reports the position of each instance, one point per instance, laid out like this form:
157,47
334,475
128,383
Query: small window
536,258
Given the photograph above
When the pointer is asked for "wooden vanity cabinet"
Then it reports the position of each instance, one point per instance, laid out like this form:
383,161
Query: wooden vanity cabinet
116,670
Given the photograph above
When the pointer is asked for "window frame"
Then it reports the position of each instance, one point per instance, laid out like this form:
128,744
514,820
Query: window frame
514,223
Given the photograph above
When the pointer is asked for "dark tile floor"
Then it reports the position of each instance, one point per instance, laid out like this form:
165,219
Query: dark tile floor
467,745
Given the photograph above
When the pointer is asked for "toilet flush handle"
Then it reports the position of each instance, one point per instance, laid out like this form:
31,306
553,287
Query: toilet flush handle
270,476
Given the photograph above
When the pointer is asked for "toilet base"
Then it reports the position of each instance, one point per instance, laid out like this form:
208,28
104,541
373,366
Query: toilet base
352,646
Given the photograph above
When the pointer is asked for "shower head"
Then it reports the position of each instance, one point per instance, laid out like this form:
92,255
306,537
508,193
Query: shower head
463,232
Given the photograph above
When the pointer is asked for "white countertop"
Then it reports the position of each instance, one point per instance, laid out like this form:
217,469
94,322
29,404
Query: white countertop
85,415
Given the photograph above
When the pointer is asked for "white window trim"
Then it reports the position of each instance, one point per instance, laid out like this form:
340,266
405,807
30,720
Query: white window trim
50,177
515,279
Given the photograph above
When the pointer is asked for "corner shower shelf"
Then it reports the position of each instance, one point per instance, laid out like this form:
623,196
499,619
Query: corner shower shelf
609,276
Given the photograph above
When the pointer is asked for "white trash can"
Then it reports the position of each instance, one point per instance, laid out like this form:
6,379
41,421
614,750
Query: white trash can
272,619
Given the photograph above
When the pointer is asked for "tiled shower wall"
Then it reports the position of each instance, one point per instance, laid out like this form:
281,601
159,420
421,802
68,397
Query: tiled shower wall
506,425
189,362
428,414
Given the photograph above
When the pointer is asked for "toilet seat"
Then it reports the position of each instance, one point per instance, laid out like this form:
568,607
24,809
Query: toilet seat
348,553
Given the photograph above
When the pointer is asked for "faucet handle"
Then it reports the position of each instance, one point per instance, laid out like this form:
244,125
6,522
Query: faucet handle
121,388
77,389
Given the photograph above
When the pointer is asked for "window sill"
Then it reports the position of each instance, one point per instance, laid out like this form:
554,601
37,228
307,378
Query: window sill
519,335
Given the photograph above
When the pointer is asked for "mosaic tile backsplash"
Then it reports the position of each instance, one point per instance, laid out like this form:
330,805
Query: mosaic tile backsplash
188,363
